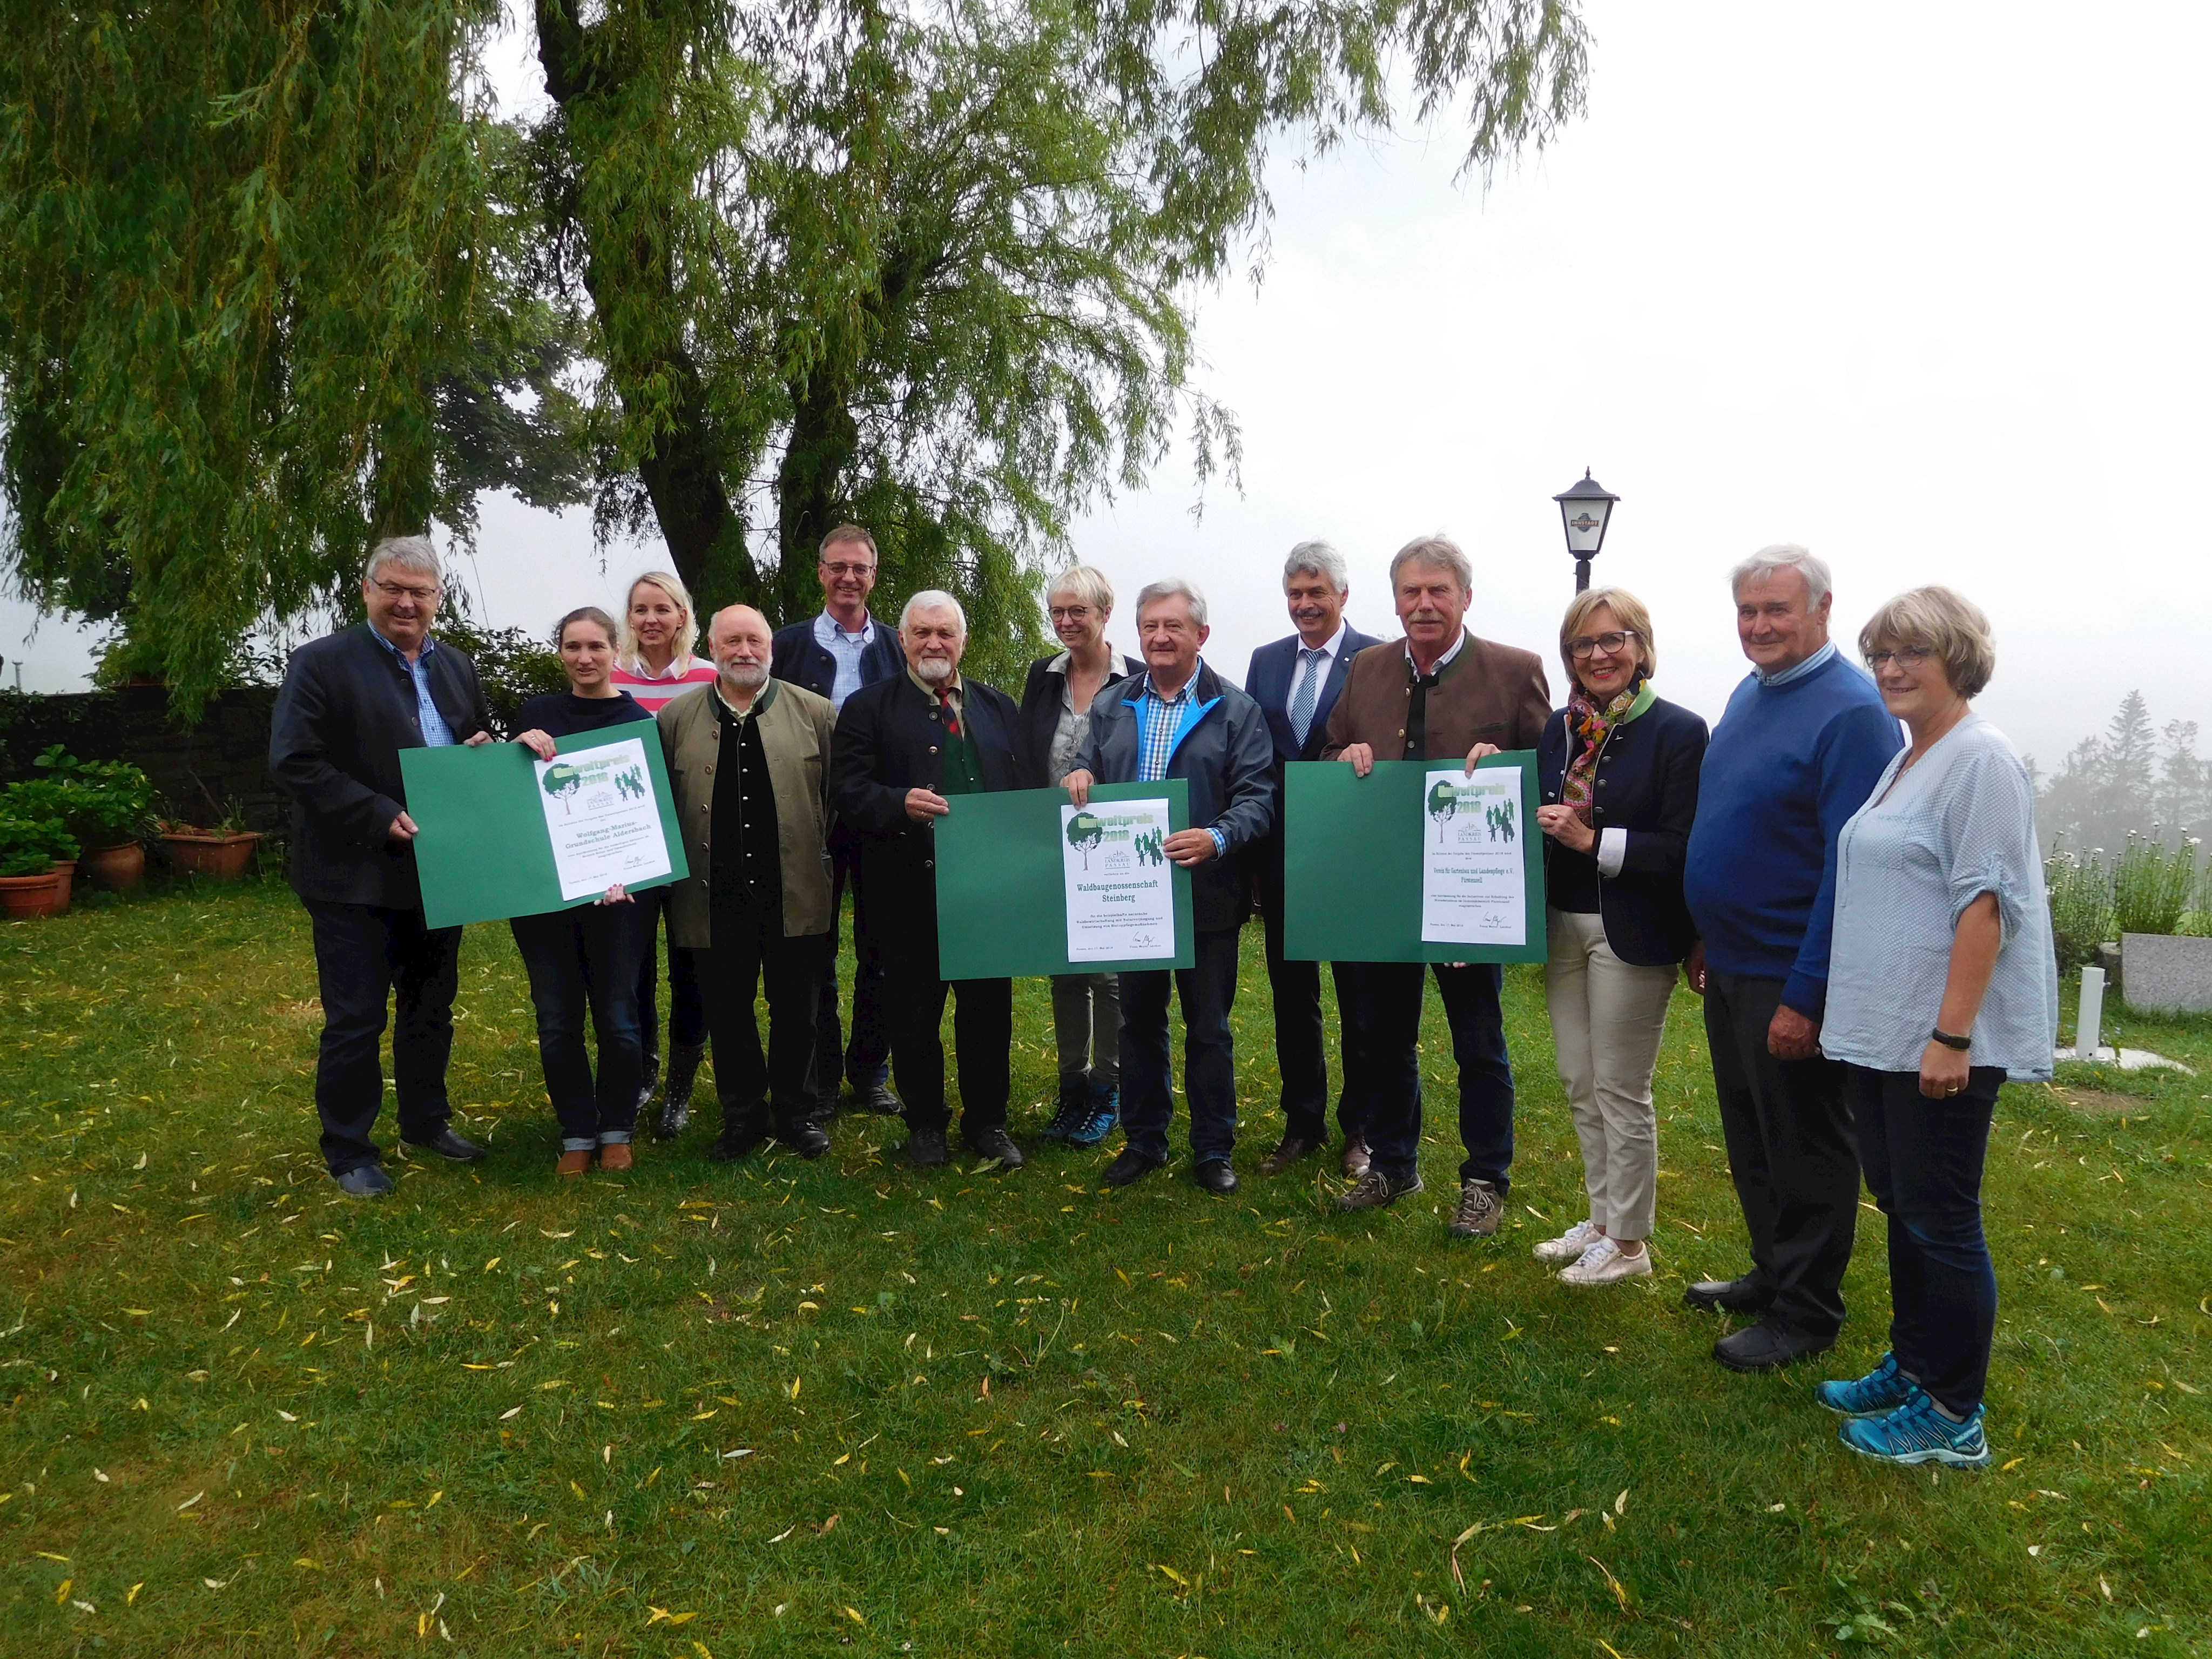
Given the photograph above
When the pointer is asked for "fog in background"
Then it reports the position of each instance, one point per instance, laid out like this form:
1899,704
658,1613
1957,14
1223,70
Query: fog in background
1917,287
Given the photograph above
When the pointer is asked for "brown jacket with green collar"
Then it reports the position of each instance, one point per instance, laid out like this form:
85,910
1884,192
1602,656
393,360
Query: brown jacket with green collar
1490,693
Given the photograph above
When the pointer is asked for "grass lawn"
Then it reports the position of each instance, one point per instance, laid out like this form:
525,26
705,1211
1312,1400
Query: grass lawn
800,1408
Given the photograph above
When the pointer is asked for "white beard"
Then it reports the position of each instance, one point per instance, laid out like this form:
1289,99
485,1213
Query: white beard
745,677
935,670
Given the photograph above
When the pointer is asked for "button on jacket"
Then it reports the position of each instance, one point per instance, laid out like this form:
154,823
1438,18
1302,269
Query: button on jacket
1643,795
795,727
348,705
1489,693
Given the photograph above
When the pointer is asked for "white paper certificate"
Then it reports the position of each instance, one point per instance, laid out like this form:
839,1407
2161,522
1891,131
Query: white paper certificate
1473,866
1120,891
605,821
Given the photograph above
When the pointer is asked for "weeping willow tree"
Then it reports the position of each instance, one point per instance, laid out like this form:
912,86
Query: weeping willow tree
274,279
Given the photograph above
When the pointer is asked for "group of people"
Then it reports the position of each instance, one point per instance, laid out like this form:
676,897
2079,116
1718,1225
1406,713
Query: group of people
1845,869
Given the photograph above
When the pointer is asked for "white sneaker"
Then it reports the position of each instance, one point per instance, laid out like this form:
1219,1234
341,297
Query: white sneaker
1604,1262
1570,1245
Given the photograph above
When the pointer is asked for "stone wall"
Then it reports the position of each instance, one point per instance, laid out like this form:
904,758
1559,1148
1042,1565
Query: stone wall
201,772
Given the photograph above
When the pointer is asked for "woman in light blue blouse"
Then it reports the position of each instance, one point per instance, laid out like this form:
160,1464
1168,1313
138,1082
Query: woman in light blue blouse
1941,984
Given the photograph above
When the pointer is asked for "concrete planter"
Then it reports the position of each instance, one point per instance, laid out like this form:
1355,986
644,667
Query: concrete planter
2167,974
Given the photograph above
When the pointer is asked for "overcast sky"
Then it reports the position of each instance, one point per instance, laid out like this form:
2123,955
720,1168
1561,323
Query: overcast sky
1919,287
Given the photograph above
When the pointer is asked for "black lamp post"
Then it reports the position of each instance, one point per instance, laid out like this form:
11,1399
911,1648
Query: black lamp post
1584,509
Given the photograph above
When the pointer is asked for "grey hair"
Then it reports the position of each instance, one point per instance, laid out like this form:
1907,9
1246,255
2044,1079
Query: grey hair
1440,551
933,598
1172,588
409,553
1785,555
1317,559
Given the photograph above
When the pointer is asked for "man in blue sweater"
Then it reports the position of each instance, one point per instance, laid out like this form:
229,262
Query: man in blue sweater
1803,741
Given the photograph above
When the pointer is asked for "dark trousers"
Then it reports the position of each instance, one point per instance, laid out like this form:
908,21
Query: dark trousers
366,956
1301,1053
579,961
687,1016
751,952
913,1009
1388,995
1924,1164
1789,1137
863,1059
1208,991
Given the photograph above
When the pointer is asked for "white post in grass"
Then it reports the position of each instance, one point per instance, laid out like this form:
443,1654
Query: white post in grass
2088,1025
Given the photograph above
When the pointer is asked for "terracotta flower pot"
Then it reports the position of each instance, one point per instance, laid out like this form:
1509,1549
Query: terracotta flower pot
66,869
118,869
21,897
219,858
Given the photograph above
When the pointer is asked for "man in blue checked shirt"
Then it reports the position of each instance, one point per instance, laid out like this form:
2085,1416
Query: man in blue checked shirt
1180,720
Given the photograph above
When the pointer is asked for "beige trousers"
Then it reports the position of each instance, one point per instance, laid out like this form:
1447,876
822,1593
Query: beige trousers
1607,1020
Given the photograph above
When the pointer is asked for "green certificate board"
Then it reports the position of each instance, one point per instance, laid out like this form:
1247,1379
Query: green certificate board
1367,861
486,819
1010,864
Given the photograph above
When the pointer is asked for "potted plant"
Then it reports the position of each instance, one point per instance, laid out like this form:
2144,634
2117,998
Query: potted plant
220,853
29,884
109,809
2163,969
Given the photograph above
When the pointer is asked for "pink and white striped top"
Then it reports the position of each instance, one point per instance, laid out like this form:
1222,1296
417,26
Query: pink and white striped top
654,692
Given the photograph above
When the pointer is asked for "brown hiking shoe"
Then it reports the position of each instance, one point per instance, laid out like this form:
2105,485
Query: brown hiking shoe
1357,1159
1293,1148
1376,1190
615,1155
574,1162
1479,1210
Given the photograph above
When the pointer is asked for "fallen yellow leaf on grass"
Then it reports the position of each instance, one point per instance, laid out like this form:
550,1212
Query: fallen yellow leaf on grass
661,1614
854,1614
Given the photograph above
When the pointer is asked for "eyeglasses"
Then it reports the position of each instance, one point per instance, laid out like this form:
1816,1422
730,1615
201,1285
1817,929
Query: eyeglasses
840,572
1911,656
1061,613
401,591
1610,644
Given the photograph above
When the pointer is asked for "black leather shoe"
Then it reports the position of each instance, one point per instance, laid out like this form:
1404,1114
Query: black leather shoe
804,1136
740,1138
1293,1149
1744,1296
1130,1165
364,1181
995,1143
1768,1347
877,1097
457,1148
926,1149
1216,1176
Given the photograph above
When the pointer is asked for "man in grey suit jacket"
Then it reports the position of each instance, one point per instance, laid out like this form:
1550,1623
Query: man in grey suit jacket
1296,681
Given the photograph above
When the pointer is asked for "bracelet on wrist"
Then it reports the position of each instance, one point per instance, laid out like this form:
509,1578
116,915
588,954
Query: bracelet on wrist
1961,1043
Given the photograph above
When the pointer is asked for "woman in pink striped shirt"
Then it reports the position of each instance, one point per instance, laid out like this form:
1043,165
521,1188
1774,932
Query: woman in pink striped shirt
655,664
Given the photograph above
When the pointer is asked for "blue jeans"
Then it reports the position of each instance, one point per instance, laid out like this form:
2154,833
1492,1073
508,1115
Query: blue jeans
579,960
1208,990
1390,1008
1923,1160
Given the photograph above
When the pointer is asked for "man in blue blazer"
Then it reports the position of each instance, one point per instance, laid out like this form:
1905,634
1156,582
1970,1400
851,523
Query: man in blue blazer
833,655
1295,682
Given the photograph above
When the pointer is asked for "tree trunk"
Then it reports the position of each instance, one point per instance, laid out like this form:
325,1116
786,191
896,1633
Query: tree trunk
810,500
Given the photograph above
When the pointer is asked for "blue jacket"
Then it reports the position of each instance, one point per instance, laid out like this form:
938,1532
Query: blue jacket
1227,763
801,658
1787,767
1645,785
1273,675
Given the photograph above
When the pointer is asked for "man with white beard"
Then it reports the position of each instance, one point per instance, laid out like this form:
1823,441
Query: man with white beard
907,749
749,766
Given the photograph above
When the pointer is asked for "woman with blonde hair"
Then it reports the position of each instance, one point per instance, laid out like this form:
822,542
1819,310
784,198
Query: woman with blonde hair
655,664
1618,770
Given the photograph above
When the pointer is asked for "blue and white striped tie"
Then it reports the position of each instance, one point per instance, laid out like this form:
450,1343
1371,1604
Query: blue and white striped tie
1301,695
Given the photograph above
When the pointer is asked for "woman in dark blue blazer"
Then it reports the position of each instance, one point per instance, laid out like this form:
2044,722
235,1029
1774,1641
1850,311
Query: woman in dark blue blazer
1618,767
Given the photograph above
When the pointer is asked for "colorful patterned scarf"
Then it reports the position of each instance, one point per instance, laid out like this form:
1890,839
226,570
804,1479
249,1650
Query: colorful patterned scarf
1588,724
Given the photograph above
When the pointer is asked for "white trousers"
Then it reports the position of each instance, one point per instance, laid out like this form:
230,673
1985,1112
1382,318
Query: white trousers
1607,1020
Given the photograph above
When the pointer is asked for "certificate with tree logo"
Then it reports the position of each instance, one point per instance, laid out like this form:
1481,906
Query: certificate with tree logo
1120,888
1474,859
602,817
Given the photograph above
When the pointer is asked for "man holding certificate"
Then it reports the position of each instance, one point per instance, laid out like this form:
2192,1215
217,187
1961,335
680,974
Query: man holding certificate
1180,720
907,749
1438,694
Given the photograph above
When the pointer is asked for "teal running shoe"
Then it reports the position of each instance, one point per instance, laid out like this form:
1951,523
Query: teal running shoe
1881,1390
1105,1111
1074,1107
1916,1432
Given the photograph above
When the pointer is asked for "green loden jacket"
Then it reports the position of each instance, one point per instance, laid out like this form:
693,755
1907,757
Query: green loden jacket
795,727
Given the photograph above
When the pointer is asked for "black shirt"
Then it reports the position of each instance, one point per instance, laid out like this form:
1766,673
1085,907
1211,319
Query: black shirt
563,713
747,871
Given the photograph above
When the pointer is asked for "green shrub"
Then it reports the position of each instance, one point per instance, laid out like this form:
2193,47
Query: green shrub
28,845
513,665
2080,905
104,802
2152,885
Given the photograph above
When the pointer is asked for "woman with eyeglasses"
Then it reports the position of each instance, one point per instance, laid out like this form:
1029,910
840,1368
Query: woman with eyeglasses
1941,983
1618,767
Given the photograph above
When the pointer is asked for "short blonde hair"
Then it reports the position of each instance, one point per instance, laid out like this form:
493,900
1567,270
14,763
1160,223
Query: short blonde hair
1945,624
687,636
1626,608
1086,583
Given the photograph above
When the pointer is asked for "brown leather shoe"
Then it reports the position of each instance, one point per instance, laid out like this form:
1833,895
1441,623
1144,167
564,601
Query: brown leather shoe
1356,1160
575,1163
1294,1147
615,1155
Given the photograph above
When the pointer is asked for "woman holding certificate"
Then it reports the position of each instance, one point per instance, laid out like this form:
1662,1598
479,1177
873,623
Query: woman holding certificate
585,959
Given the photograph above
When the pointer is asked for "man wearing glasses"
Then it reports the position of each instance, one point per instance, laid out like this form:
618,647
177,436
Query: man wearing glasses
350,703
834,655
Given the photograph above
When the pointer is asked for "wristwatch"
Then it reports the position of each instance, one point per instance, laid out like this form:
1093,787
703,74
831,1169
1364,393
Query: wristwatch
1961,1043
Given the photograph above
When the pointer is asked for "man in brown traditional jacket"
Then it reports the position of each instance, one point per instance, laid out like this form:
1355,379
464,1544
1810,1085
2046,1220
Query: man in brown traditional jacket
1437,693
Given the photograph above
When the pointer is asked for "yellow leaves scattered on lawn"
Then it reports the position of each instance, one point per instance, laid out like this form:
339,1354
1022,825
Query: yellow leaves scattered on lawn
792,1390
661,1615
1619,1590
576,1489
854,1614
510,1412
61,1595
